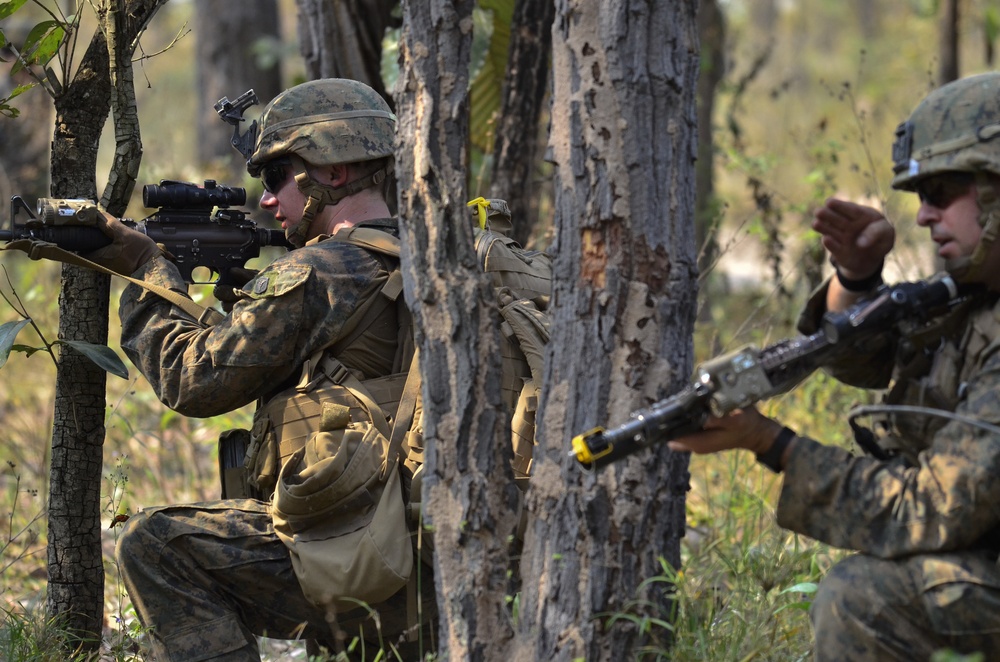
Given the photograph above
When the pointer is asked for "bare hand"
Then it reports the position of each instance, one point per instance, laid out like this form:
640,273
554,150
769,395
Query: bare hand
743,428
857,237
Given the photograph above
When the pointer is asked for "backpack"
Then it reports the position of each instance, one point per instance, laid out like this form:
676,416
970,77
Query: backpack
522,284
344,456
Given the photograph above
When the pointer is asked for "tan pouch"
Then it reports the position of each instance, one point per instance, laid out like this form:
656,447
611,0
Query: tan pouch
527,324
262,462
338,507
288,421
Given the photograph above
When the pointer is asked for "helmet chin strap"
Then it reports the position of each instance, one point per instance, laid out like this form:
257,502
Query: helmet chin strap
319,196
970,269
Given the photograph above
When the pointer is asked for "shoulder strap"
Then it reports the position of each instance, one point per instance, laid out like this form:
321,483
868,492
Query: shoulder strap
385,244
370,238
405,412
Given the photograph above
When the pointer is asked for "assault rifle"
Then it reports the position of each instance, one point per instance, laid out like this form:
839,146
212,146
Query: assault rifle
183,224
741,378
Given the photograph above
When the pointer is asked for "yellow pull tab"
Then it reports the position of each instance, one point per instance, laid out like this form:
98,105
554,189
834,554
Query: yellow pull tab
481,204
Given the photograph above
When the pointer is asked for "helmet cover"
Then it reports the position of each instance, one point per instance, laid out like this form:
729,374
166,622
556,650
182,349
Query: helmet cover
955,128
325,122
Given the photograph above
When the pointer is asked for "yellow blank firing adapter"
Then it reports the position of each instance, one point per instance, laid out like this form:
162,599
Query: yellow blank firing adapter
585,448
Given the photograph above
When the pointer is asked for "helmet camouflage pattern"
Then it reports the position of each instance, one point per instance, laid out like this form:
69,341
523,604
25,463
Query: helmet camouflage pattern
325,122
955,128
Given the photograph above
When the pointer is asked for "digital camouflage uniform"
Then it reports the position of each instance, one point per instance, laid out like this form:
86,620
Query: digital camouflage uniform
927,522
207,577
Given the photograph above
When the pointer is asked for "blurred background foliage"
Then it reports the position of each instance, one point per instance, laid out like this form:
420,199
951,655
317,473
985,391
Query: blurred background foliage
809,96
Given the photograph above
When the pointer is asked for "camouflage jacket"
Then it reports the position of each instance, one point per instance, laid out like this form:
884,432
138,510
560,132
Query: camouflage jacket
941,493
295,306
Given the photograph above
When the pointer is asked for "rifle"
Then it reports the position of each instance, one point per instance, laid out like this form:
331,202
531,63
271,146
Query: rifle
183,224
743,377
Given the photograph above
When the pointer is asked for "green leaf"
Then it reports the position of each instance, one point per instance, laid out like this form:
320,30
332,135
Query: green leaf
49,44
488,77
804,587
991,23
9,7
17,91
102,355
38,45
8,333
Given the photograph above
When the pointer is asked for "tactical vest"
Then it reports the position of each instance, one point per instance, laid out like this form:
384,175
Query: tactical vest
933,367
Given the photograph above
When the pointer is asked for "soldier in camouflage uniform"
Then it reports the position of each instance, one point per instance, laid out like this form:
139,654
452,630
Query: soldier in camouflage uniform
206,578
925,521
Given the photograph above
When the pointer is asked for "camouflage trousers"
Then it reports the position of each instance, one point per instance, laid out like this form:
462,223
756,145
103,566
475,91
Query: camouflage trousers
905,609
206,578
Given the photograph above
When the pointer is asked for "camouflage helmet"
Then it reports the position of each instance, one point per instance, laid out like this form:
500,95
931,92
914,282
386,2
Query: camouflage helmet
325,122
955,128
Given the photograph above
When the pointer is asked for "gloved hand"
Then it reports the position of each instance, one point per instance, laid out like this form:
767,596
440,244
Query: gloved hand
227,290
129,249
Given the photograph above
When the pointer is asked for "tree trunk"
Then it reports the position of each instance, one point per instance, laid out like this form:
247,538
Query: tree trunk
466,504
623,140
343,39
949,42
119,32
515,152
76,574
225,36
712,34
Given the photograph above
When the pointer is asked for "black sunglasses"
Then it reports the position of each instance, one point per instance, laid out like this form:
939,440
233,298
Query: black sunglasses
273,174
941,190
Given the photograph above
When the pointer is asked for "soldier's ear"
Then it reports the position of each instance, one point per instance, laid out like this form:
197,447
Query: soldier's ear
339,175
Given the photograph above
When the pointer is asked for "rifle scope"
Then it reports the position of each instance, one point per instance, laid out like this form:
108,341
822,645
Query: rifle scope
185,195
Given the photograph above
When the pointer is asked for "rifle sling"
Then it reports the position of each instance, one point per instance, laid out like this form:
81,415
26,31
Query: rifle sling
44,250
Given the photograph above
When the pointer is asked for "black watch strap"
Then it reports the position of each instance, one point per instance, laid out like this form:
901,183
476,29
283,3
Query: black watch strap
771,458
861,284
